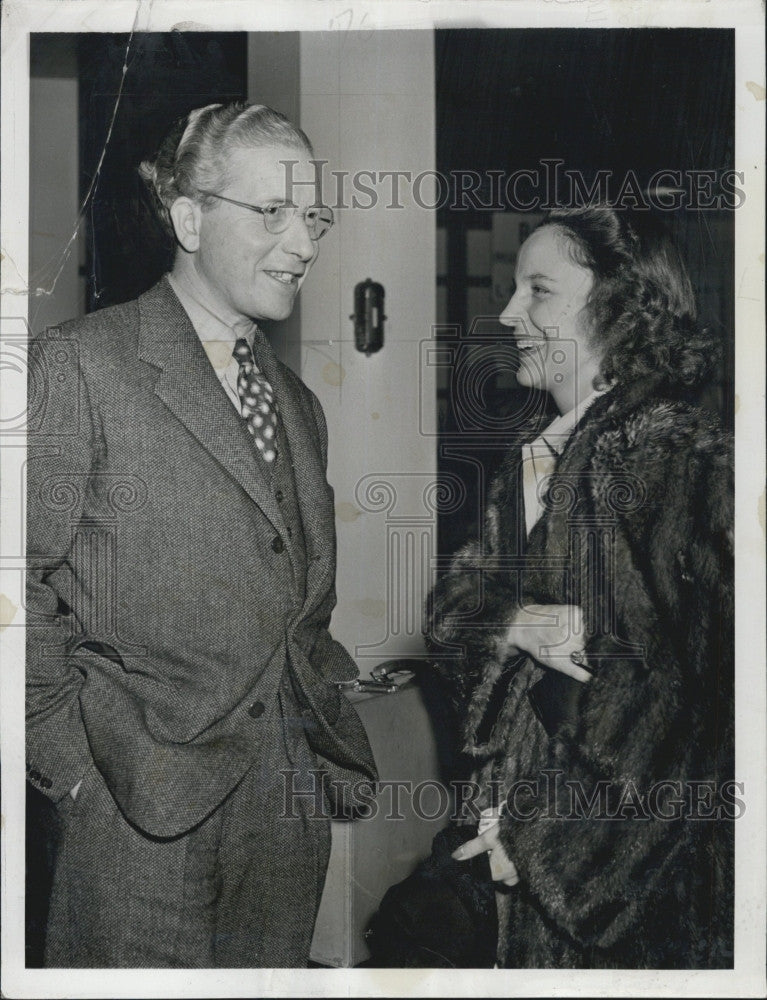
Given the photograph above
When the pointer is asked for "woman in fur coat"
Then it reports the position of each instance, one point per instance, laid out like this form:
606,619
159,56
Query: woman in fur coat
594,672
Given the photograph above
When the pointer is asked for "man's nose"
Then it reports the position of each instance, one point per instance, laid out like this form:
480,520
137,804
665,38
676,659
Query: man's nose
297,239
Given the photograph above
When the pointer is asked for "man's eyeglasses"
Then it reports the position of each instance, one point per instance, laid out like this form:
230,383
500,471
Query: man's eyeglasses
277,218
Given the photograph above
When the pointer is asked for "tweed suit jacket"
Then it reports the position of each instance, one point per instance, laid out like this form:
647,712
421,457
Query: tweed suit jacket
163,606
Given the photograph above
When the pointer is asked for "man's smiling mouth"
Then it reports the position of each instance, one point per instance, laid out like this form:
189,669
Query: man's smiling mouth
284,277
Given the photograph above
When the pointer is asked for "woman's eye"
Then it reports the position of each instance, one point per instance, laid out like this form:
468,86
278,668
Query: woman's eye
540,290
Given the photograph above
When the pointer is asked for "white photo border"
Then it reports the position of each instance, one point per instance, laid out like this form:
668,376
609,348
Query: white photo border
22,17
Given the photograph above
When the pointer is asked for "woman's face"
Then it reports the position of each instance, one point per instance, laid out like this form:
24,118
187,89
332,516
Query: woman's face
548,315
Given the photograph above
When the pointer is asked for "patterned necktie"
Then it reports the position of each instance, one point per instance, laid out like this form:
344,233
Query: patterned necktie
259,409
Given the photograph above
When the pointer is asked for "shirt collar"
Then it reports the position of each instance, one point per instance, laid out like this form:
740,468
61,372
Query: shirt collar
218,336
555,436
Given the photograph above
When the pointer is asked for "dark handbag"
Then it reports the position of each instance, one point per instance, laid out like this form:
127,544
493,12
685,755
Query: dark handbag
441,916
555,700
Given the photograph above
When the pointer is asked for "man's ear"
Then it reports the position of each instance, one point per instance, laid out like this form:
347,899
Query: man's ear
185,215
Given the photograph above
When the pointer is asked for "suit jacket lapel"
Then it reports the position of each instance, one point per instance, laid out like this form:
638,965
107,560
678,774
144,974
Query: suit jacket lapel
308,469
189,388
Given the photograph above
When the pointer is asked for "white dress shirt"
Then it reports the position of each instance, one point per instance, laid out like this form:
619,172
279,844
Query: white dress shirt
216,335
540,457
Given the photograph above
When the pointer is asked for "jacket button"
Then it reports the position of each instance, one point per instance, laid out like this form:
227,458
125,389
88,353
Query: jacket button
279,496
256,710
34,775
46,782
290,532
277,544
310,722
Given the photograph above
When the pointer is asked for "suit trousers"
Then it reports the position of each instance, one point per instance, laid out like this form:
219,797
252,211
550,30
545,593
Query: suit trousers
211,898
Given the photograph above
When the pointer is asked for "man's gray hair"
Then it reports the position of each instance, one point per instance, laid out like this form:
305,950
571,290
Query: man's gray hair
194,154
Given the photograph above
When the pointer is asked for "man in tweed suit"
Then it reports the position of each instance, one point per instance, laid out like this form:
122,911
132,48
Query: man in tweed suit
181,677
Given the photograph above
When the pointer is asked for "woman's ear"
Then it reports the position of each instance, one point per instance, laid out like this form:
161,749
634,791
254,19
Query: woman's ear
185,214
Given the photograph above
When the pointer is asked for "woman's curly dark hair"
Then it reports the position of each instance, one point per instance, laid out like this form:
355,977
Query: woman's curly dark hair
642,306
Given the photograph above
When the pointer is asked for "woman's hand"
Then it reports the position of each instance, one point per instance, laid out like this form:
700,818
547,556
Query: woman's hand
502,867
553,635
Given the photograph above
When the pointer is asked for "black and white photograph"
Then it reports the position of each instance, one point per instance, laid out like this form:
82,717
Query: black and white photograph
383,512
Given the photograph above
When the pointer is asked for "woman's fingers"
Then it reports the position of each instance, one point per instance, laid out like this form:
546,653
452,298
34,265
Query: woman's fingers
502,868
553,635
479,845
566,666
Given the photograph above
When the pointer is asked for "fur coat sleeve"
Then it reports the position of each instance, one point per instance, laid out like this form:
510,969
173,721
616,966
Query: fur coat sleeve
638,532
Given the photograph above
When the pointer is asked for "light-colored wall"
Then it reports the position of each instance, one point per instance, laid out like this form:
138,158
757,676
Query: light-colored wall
54,248
367,103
